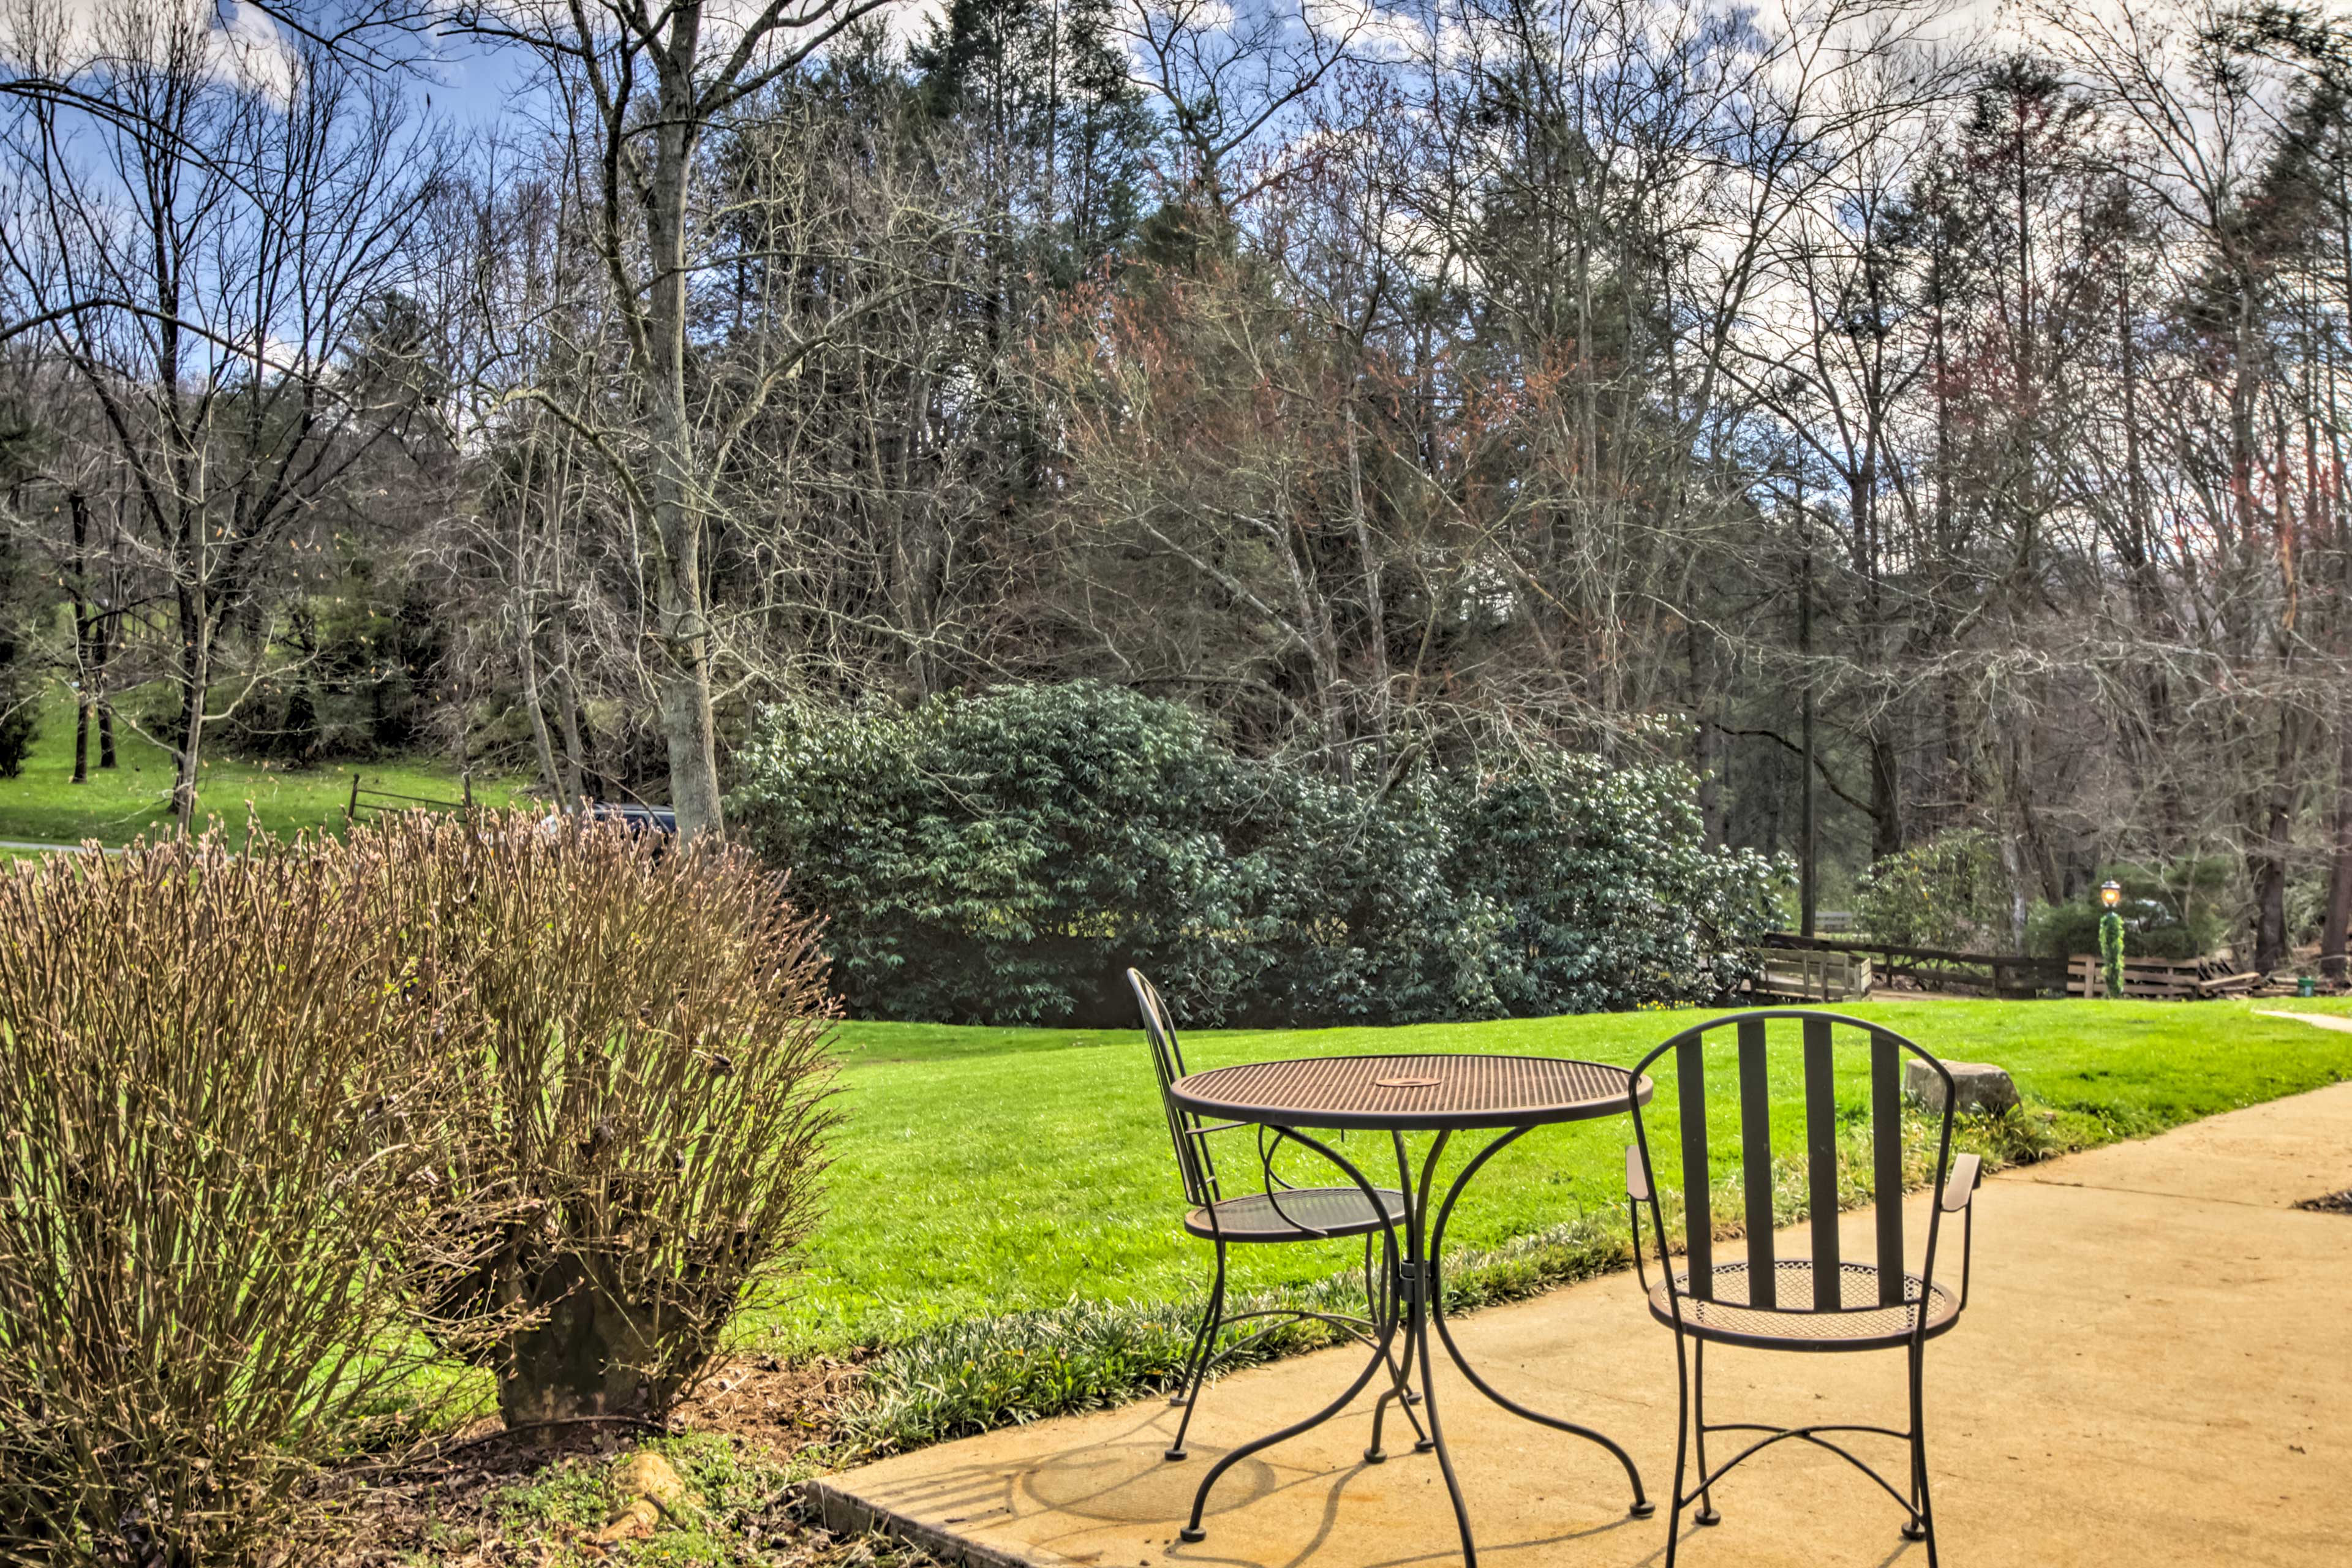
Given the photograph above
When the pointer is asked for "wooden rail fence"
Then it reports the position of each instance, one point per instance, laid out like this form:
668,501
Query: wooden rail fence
1830,969
1997,974
363,799
2160,979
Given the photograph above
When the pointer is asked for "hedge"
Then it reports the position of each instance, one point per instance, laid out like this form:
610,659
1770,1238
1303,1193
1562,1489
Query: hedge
1003,858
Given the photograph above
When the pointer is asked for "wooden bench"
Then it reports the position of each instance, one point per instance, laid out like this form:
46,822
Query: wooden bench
1788,974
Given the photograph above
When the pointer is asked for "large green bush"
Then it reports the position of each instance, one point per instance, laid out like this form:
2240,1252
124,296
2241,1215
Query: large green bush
1001,858
1948,892
996,860
2166,913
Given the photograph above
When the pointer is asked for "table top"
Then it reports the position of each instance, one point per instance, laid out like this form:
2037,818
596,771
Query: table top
1409,1093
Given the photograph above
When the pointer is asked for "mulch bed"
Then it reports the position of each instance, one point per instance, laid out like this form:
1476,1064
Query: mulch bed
778,1408
445,1505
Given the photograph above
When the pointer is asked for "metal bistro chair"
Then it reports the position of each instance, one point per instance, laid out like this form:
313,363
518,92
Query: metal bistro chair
1822,1302
1279,1211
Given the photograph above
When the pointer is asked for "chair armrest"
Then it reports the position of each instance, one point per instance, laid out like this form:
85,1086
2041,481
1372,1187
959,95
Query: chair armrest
1637,1182
1960,1184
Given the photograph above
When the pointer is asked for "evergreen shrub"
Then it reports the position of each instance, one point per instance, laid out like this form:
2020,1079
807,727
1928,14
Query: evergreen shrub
1003,858
1947,892
2167,913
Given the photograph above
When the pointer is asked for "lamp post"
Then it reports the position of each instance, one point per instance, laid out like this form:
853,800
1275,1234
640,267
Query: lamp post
2111,936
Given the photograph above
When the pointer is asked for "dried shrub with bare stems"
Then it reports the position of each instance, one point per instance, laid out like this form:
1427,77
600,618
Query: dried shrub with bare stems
634,1038
209,1173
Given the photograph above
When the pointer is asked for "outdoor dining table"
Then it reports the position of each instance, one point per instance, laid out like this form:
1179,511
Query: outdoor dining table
1508,1097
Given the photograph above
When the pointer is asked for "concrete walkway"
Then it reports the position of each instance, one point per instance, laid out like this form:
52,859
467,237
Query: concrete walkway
2325,1020
2155,1369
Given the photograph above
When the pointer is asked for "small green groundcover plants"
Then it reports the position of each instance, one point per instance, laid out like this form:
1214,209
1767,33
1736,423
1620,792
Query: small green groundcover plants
1001,858
278,1125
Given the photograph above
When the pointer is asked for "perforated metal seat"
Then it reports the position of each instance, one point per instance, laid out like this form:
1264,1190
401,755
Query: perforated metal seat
1798,1292
1860,1322
1299,1213
1277,1212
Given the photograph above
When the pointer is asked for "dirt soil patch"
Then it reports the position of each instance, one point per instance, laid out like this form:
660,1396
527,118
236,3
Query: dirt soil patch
487,1498
779,1407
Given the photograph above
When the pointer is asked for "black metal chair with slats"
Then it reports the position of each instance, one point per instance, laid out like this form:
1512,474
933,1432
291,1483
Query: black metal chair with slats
1825,1301
1278,1212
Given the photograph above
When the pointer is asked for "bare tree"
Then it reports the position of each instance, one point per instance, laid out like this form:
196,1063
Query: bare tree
651,84
212,256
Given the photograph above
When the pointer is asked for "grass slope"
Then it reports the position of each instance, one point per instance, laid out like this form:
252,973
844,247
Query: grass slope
117,804
984,1171
1003,1218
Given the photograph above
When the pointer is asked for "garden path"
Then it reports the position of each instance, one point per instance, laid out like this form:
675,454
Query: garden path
2152,1370
2325,1020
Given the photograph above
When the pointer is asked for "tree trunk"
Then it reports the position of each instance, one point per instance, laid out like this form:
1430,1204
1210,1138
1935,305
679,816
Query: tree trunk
682,688
85,625
2268,863
543,744
2021,903
196,670
1808,828
1704,737
2269,870
104,703
567,714
1376,625
682,675
2334,931
1885,795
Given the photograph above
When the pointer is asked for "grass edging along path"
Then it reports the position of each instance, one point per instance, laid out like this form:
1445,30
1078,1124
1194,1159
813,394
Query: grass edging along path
1002,1241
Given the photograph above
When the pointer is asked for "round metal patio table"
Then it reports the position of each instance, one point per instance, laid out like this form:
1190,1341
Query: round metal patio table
1507,1095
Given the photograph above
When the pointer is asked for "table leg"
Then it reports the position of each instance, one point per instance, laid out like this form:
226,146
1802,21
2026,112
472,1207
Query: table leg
1192,1530
1421,1284
1401,1370
1642,1508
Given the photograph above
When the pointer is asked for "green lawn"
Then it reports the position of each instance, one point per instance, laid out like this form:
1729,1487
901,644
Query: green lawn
985,1172
116,806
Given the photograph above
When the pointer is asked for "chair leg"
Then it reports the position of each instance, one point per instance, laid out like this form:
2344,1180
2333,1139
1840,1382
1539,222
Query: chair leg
1210,1322
1192,1355
1922,1524
1705,1514
1674,1499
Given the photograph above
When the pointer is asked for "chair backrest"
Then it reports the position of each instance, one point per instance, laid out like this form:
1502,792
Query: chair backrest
1192,1162
1762,1036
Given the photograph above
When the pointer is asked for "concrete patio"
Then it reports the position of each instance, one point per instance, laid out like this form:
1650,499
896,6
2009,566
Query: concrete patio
2154,1368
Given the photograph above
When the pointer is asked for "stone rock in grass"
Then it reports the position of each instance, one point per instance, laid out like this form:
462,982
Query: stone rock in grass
649,1489
1976,1086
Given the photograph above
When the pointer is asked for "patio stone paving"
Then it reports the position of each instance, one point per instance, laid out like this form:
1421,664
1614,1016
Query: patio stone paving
2155,1369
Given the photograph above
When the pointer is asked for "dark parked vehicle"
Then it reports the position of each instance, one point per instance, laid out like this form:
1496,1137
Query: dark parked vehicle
659,819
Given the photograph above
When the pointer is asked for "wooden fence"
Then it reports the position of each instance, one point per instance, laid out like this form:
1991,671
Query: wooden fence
1811,969
1934,968
2160,979
363,799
